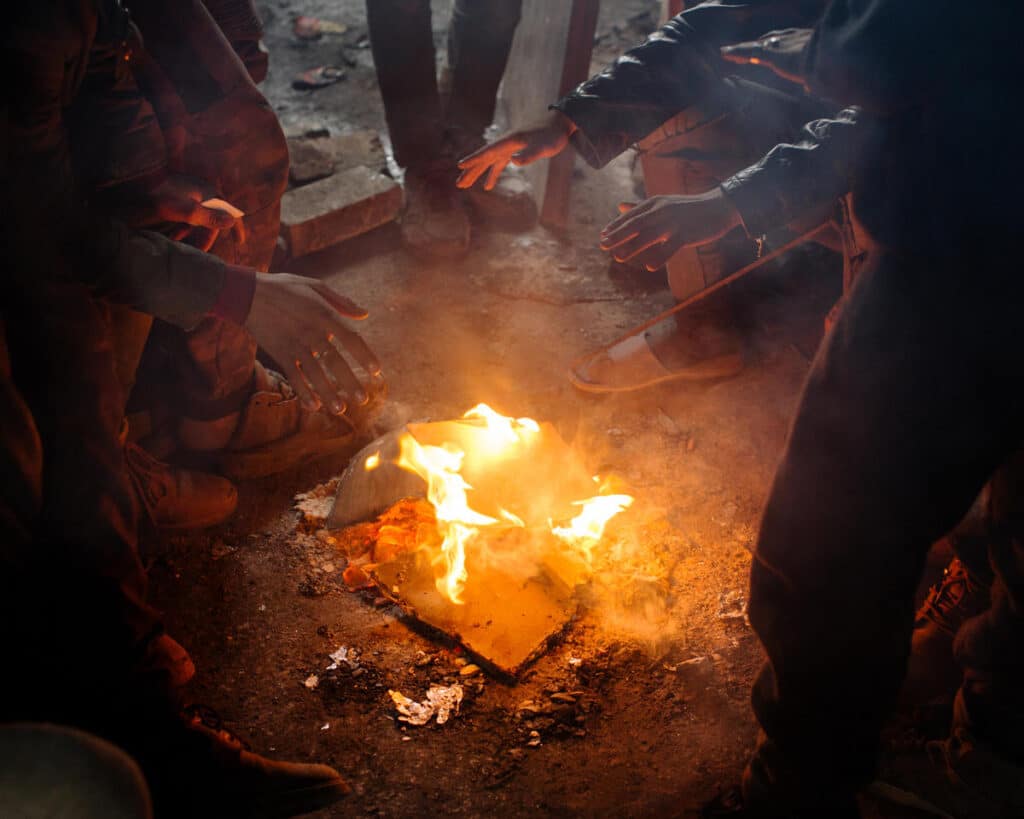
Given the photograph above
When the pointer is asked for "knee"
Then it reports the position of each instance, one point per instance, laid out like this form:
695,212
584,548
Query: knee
64,772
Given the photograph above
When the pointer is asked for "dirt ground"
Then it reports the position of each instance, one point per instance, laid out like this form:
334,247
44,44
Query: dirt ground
651,713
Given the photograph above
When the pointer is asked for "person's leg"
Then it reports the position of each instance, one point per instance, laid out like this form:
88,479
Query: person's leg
54,771
912,403
479,41
402,42
434,222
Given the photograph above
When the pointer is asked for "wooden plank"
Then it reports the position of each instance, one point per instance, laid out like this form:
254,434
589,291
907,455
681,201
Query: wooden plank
550,56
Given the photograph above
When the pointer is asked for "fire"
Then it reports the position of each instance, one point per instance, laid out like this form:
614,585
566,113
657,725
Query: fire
498,439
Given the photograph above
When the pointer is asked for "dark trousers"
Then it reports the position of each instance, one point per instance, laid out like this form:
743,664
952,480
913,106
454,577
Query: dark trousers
479,39
913,402
72,588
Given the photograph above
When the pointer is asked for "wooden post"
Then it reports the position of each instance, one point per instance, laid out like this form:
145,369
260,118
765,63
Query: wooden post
550,56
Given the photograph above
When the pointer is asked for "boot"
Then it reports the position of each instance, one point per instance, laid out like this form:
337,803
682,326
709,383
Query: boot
178,499
196,768
434,224
933,676
272,432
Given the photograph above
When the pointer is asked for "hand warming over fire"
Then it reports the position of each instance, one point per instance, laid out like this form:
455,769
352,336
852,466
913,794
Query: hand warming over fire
298,321
543,139
191,209
654,230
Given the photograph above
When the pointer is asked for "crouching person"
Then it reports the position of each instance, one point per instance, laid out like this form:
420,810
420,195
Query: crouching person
70,266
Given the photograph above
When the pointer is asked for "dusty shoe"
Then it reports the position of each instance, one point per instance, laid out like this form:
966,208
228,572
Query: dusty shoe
176,499
434,224
196,768
683,348
932,674
509,206
275,432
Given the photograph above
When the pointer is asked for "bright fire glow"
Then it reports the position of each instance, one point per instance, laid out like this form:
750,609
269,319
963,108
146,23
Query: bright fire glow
372,462
587,528
459,524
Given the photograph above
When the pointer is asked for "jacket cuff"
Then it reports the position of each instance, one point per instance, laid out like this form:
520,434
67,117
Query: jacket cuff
759,213
235,299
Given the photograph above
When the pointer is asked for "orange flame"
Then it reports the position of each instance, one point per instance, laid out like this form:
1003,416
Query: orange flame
459,524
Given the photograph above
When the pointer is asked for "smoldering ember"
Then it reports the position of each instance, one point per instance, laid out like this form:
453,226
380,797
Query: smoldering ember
499,408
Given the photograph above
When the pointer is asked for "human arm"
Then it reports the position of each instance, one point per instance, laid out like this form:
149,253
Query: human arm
788,182
648,85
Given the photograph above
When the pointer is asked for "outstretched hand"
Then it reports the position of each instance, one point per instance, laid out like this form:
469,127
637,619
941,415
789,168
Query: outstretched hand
783,51
300,322
543,139
652,232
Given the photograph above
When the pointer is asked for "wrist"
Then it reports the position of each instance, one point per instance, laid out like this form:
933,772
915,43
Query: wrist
236,295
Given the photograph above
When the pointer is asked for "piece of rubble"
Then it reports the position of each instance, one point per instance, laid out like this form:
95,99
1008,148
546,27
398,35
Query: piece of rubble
307,162
442,701
315,505
313,28
337,208
312,681
469,670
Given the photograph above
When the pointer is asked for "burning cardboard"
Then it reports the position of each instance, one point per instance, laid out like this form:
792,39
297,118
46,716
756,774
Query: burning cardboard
515,519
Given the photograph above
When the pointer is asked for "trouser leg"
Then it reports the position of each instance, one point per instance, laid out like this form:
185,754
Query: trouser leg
479,41
403,53
53,771
76,595
911,404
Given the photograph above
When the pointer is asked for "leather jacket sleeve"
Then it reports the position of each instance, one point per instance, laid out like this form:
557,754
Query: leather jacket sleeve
797,178
677,66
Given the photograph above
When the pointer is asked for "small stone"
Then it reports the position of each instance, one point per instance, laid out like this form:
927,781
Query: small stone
668,424
407,738
312,681
469,670
460,662
328,567
562,697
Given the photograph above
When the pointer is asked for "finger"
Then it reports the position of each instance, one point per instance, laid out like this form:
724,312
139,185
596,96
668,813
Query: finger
493,177
490,153
345,306
626,207
628,250
239,231
620,237
473,171
628,216
653,258
201,238
357,348
321,385
293,371
337,368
